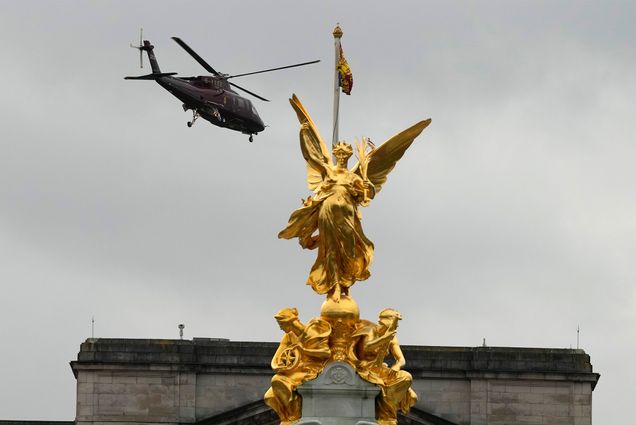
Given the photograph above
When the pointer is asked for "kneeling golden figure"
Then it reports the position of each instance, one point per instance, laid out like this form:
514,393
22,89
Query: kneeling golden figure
300,357
371,344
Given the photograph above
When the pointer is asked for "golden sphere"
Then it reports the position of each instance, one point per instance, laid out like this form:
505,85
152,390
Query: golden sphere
345,310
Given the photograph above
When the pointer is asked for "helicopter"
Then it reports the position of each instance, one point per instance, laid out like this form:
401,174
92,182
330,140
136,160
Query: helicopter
209,96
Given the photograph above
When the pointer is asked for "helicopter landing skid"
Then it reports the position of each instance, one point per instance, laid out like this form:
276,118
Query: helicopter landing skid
195,115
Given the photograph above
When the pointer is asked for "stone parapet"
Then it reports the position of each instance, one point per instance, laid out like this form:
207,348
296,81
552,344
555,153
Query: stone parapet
144,381
471,364
496,359
200,352
221,353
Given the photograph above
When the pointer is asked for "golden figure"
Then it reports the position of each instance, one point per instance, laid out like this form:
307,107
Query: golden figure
344,252
371,343
300,357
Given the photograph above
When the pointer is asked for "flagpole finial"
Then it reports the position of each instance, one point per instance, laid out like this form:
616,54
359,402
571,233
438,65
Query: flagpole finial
337,31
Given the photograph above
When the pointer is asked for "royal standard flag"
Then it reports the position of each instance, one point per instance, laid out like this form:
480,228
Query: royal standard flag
345,76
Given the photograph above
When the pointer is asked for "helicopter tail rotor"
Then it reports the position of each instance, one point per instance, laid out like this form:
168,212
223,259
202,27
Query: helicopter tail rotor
146,46
140,47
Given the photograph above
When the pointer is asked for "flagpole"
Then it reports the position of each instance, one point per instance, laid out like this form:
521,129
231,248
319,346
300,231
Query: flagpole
337,34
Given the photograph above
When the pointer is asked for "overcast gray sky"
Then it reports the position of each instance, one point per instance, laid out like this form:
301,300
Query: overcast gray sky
511,218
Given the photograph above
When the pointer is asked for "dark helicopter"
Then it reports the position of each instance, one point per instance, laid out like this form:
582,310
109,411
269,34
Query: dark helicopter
209,96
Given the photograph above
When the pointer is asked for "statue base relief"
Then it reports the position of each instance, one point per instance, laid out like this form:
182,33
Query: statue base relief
338,396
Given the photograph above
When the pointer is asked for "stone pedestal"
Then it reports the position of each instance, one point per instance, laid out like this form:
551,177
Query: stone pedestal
338,396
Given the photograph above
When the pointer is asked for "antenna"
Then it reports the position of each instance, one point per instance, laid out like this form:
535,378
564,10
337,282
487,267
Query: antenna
578,331
93,327
181,327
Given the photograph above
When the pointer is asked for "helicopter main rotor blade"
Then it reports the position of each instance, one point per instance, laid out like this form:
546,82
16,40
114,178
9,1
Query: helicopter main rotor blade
272,69
196,57
247,91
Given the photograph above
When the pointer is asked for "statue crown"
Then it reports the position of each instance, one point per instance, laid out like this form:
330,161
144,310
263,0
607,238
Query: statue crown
342,147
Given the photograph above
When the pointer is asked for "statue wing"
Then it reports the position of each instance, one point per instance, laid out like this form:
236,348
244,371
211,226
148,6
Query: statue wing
312,146
382,160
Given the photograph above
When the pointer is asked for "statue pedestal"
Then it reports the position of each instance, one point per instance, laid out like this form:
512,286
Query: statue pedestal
338,396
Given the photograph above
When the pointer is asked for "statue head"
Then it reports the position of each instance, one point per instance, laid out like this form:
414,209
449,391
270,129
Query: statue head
342,151
286,317
389,318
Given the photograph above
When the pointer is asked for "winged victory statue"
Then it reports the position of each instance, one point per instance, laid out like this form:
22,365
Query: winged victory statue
329,220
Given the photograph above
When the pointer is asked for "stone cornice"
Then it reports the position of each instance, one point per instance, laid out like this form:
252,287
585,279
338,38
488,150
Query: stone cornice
223,356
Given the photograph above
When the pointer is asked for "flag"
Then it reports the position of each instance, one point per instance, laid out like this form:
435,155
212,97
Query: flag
345,77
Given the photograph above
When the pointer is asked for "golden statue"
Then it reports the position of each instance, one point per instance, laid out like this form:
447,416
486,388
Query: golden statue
344,252
300,357
330,221
371,343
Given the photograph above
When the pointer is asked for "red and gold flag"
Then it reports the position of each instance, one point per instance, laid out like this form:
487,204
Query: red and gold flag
345,76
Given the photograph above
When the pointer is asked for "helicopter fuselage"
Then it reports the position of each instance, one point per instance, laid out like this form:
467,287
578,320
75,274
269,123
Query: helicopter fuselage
213,99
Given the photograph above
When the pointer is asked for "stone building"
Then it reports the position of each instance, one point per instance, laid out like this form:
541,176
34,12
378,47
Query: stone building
212,381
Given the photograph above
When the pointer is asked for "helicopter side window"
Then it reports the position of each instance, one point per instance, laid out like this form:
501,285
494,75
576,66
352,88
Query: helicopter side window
203,82
210,83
